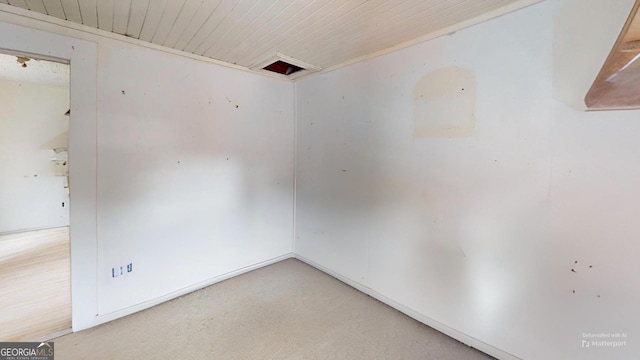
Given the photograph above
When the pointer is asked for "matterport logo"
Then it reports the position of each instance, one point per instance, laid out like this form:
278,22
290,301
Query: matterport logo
604,340
26,351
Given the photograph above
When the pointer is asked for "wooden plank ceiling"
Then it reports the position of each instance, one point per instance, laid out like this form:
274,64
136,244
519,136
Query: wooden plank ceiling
324,33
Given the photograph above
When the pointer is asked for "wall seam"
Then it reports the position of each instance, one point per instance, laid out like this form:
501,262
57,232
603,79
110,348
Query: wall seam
295,166
97,183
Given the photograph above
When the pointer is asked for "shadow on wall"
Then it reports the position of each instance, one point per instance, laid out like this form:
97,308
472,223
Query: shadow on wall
214,161
195,175
405,194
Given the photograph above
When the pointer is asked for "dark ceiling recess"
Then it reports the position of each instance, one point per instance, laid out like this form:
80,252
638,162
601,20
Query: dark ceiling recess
283,68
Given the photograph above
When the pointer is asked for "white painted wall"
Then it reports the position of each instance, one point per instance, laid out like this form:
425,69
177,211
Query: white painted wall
195,172
181,167
476,232
32,124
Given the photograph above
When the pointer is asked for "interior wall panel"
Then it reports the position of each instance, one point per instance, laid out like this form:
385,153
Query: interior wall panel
447,179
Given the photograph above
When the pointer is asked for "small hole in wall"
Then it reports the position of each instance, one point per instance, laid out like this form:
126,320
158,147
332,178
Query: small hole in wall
22,60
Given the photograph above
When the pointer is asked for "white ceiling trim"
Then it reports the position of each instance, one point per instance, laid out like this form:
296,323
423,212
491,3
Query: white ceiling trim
20,16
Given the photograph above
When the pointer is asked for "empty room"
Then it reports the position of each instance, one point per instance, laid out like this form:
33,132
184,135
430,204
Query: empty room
320,179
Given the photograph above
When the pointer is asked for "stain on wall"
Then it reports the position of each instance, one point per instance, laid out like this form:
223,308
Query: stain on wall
444,104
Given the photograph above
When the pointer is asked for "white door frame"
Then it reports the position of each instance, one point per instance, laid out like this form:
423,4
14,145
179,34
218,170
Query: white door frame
82,57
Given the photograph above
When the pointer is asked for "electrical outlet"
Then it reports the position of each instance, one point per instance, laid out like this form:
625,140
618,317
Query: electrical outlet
121,270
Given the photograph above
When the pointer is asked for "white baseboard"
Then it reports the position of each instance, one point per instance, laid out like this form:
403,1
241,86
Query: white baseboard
104,318
463,338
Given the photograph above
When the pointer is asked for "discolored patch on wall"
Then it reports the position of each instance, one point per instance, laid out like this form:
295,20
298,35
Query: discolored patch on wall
444,104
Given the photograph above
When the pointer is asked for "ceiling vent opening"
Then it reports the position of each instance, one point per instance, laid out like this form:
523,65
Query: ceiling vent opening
283,68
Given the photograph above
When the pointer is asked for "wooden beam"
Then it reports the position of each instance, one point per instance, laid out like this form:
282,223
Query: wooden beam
617,86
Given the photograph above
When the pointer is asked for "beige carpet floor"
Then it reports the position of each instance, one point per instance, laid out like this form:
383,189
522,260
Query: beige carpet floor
288,310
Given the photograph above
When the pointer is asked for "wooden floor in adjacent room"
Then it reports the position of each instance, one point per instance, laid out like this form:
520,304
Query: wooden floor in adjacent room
35,276
288,310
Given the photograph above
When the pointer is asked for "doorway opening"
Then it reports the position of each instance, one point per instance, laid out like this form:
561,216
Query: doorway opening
35,267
